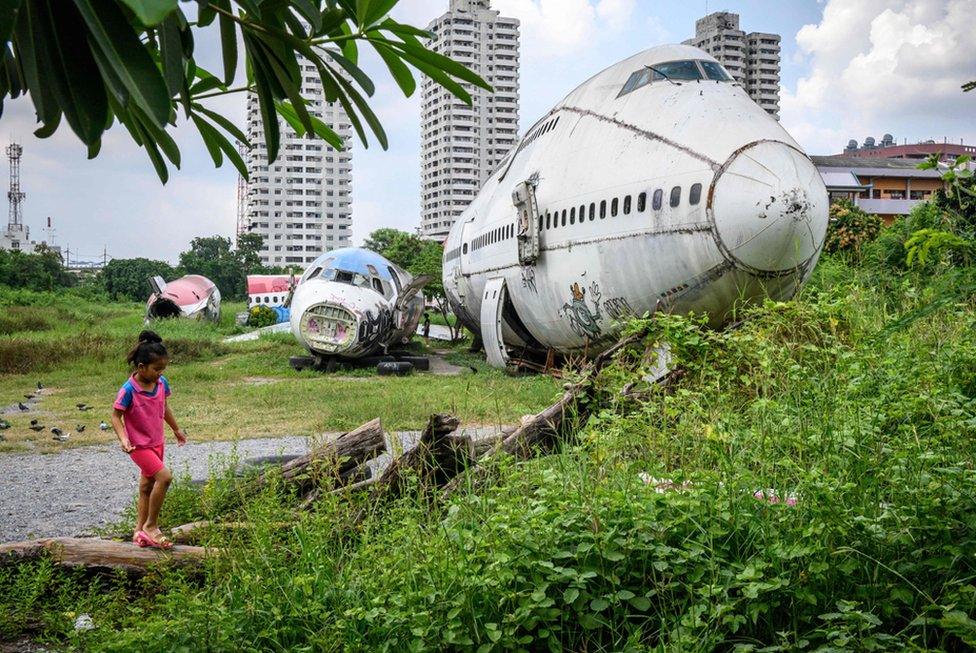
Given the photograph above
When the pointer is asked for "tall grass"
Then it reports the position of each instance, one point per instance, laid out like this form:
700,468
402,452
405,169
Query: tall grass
645,532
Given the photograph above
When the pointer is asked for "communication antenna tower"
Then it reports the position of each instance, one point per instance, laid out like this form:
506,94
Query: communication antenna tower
15,222
241,197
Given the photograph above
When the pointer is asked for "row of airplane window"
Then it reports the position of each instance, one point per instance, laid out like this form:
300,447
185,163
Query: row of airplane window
616,206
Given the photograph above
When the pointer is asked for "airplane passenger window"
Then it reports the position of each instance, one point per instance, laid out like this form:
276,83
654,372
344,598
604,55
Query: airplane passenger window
603,209
572,215
547,219
695,196
641,202
464,248
592,211
675,196
627,205
676,70
540,222
715,71
613,207
582,213
657,201
564,218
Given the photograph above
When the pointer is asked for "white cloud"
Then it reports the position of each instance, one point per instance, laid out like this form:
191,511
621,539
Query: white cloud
884,65
552,28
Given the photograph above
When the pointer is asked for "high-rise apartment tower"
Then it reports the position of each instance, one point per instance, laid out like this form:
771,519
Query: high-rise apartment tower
302,204
462,145
753,58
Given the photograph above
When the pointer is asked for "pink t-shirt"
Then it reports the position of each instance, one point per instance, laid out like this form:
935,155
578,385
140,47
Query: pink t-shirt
143,412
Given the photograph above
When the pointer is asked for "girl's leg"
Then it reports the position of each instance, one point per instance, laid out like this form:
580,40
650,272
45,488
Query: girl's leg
142,507
161,483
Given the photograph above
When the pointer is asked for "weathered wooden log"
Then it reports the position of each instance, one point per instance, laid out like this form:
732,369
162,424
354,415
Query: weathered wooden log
195,530
436,459
334,460
100,555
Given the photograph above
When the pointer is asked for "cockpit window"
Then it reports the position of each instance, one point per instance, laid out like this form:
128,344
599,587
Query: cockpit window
676,70
344,276
714,70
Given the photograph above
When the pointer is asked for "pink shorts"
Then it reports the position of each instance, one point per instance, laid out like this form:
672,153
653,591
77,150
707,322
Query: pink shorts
149,459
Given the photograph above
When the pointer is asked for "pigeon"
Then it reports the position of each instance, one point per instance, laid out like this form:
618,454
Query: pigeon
21,406
57,431
59,435
80,428
83,407
4,425
37,428
103,426
33,422
40,386
29,397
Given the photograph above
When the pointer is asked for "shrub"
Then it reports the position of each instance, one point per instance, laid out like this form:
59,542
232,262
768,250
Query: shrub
261,316
850,227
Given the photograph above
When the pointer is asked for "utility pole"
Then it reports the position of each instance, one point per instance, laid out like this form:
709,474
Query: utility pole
242,227
104,255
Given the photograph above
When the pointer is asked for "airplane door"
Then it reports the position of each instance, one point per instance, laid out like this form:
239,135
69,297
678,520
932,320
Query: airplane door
523,197
492,303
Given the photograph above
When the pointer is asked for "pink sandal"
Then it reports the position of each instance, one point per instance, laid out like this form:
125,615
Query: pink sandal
143,540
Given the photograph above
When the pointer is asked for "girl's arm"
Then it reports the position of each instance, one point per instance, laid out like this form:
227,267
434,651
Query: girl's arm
120,431
171,420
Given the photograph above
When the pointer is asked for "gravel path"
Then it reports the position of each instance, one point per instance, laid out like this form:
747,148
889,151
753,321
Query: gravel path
75,491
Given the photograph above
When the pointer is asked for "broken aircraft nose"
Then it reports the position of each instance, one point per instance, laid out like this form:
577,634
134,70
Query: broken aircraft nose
769,208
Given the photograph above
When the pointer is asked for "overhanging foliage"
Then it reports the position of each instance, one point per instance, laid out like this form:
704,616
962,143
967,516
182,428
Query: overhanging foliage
95,62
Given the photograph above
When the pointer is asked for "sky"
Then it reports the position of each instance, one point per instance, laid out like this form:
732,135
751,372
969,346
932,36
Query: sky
850,69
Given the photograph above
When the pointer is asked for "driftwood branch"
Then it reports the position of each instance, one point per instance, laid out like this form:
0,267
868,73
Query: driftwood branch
100,555
436,458
195,530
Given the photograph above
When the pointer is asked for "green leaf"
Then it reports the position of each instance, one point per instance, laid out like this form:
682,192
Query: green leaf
207,134
226,124
354,71
376,10
641,603
127,57
150,12
76,79
36,64
570,595
8,18
171,53
228,42
400,71
439,61
598,605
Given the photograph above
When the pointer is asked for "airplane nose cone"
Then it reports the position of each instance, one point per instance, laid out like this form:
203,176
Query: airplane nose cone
769,207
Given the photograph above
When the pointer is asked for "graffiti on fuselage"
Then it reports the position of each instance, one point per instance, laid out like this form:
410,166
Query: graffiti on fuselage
618,308
584,322
372,327
528,278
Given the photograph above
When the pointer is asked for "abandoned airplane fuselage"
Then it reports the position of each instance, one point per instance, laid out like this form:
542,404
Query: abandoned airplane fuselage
657,185
353,302
192,296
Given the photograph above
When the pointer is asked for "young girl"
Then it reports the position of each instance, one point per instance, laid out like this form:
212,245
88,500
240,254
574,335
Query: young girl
141,405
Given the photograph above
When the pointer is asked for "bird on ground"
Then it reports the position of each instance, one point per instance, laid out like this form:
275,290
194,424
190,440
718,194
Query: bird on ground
29,396
21,406
4,425
103,426
83,407
80,428
33,422
59,435
40,386
37,428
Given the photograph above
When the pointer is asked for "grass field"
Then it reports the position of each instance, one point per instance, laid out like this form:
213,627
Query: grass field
808,484
76,349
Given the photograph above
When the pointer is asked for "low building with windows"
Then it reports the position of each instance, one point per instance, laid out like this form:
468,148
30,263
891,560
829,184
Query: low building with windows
887,148
889,188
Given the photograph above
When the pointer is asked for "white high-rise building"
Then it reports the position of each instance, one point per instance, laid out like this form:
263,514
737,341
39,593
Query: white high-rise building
753,58
462,145
302,204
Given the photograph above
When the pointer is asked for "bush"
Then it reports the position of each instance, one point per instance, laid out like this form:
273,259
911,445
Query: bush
128,279
850,228
261,316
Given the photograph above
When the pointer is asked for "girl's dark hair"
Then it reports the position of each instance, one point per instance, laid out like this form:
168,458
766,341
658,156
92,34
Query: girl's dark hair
149,348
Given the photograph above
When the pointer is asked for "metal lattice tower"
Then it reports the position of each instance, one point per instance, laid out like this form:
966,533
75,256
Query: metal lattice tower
16,196
241,197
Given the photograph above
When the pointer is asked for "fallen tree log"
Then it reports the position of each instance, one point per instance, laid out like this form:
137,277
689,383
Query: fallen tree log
334,460
197,529
436,458
100,555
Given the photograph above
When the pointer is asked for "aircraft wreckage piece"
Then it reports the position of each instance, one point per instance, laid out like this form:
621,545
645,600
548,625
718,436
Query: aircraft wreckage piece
352,302
657,185
192,296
